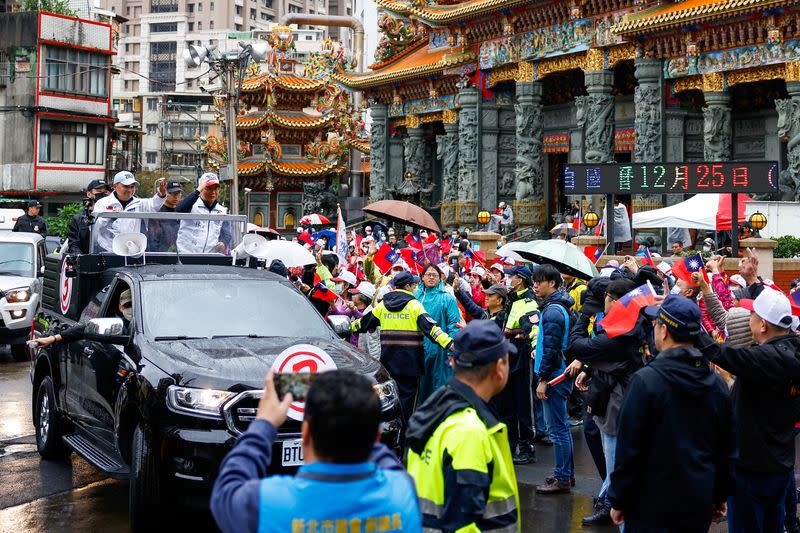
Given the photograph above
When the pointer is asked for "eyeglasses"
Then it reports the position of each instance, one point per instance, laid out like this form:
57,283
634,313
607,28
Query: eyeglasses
430,275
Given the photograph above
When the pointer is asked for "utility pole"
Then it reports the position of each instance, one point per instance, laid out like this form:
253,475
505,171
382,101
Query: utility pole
230,132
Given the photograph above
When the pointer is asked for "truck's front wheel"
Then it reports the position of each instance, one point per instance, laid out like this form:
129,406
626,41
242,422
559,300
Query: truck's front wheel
145,485
49,425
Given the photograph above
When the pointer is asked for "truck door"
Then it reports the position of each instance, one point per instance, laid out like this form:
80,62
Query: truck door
103,369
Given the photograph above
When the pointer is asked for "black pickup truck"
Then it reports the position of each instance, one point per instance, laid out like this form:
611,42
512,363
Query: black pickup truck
161,398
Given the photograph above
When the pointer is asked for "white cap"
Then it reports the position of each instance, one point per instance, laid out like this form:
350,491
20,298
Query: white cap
209,178
423,233
478,271
125,178
347,277
665,268
499,267
386,289
368,229
401,264
366,288
739,280
774,307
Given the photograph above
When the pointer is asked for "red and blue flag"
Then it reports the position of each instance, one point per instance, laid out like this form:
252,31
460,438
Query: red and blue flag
624,313
684,267
322,292
385,258
414,241
647,258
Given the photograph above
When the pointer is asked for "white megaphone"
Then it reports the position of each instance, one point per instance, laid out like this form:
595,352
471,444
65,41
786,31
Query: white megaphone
252,245
129,245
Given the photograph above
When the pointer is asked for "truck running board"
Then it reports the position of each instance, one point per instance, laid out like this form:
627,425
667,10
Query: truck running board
98,455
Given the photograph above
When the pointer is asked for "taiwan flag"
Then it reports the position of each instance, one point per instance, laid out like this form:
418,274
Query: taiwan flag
647,258
684,267
385,258
414,241
432,253
624,313
414,258
593,253
322,292
795,299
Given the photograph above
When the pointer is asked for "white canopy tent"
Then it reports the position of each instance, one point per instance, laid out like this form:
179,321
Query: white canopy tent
710,211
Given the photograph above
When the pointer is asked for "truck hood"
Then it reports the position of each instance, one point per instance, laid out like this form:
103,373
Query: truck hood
14,282
241,363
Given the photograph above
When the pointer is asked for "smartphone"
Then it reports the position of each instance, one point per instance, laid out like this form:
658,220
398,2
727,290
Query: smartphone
296,383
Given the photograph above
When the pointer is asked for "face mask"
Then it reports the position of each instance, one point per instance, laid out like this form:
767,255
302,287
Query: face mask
706,248
675,289
127,313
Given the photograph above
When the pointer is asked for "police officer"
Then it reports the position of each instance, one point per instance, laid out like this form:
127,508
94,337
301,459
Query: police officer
514,404
403,322
31,222
458,454
78,229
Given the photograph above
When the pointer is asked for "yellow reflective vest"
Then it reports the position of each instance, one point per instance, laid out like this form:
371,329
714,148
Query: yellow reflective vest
462,467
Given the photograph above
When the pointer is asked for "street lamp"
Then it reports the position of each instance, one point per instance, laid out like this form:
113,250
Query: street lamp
591,219
758,221
231,66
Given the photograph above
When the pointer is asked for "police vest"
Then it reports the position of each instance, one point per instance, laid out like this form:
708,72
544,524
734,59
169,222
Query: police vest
463,442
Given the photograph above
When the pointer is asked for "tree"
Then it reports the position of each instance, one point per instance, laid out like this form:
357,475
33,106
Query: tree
58,224
59,7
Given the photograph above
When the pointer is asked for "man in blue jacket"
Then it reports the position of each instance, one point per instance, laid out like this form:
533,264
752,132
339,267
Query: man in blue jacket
549,364
338,489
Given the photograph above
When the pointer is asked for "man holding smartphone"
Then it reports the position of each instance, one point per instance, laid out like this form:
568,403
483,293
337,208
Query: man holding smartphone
347,479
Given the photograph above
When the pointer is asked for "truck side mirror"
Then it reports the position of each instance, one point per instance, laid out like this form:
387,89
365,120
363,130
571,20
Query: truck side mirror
340,324
41,272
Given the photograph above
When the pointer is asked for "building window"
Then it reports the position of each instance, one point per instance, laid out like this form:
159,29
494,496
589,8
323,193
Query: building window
127,48
71,142
239,10
152,104
191,26
163,27
75,71
252,13
211,24
237,27
150,157
137,29
295,9
211,6
268,4
190,8
200,6
163,60
163,6
152,129
200,25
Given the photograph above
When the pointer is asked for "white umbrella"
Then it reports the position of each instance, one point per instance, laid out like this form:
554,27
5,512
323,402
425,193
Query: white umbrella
565,256
291,253
510,250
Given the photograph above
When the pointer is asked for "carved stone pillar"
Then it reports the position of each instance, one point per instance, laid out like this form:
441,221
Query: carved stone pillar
789,127
447,152
414,156
378,152
529,205
595,113
648,121
467,207
490,130
717,132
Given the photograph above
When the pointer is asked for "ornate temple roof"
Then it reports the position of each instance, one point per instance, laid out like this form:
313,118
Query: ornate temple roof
691,11
288,82
444,14
289,120
419,62
362,145
256,166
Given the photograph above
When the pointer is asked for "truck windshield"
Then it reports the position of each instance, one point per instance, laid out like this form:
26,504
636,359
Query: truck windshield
207,308
16,259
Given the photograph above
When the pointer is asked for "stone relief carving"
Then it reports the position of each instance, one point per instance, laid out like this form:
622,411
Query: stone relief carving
507,186
468,155
716,133
647,123
414,156
377,158
529,151
595,113
318,198
789,126
447,152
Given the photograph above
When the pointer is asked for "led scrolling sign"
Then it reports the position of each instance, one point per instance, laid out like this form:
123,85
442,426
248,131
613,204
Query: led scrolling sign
671,178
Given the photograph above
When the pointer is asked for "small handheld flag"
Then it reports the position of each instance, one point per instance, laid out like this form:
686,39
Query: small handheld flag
623,315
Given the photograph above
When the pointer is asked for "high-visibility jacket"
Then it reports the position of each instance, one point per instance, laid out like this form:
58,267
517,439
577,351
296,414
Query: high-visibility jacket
523,306
462,466
403,322
575,289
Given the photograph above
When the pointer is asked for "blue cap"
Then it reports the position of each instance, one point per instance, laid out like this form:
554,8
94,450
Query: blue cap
679,313
402,279
479,343
522,272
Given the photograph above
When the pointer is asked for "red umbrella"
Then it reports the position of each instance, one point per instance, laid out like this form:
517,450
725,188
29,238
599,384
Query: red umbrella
314,219
403,213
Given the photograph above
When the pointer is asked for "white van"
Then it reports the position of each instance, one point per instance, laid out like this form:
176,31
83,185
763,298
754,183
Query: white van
8,217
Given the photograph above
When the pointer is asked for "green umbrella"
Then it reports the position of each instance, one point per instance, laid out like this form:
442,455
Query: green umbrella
565,256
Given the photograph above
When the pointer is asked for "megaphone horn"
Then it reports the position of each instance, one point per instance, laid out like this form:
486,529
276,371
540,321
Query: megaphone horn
129,245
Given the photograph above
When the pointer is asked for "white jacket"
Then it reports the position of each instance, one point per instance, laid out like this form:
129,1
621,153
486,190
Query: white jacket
201,236
108,228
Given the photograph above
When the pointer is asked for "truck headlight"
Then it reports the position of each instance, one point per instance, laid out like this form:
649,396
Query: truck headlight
18,295
387,393
202,402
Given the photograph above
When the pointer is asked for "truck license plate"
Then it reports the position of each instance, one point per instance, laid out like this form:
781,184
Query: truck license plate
292,453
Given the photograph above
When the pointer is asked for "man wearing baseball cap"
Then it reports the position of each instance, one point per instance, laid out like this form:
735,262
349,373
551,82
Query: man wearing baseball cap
459,454
671,470
766,400
123,200
203,236
403,322
163,234
31,222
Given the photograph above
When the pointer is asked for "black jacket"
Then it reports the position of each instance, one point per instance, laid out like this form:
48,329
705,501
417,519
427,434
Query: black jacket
674,443
162,235
766,399
29,224
78,234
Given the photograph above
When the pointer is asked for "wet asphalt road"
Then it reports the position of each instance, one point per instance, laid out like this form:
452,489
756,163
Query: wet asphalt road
44,496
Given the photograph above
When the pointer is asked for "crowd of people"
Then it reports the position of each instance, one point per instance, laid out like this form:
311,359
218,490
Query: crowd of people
686,381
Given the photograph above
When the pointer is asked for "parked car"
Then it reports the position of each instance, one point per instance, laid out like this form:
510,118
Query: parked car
21,270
